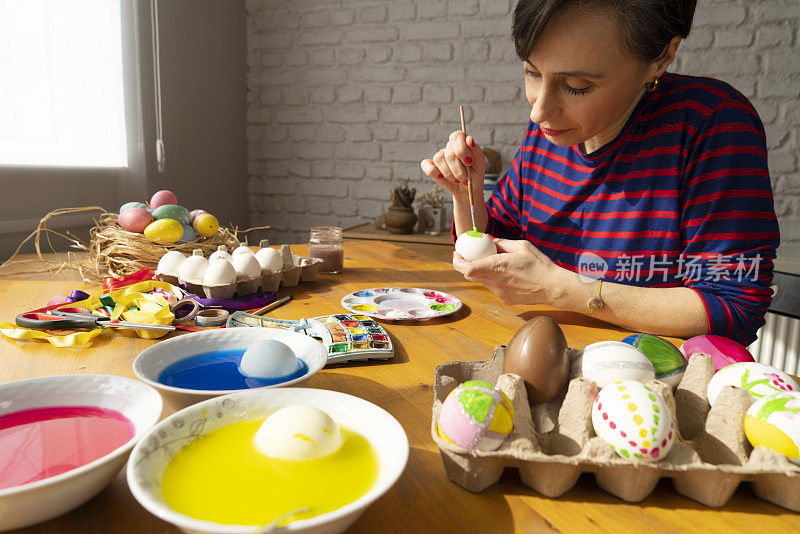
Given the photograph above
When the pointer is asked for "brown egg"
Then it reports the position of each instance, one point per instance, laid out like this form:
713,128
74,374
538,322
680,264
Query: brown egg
538,353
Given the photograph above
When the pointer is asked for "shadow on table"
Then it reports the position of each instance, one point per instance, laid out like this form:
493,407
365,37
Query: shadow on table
663,496
400,356
571,318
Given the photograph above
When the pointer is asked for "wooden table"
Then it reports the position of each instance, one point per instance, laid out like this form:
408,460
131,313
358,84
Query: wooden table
423,500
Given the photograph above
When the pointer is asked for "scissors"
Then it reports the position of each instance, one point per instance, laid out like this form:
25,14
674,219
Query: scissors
78,318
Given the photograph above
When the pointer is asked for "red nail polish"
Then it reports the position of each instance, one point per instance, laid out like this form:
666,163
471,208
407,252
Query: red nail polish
473,143
468,160
441,176
456,181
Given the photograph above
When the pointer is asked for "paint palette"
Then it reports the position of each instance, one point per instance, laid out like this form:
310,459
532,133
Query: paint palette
401,303
346,337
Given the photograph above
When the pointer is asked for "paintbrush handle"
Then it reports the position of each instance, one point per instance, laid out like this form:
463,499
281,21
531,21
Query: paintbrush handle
271,305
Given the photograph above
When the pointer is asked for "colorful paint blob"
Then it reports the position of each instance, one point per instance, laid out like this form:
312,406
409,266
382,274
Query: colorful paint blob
218,370
44,442
442,307
221,477
365,308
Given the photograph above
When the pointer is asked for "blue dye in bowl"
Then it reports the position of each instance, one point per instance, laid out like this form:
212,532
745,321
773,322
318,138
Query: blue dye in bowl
218,370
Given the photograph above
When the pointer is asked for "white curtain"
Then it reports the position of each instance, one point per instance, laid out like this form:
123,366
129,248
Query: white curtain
61,84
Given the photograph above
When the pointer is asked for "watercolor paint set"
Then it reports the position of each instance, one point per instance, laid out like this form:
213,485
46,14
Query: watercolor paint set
346,337
401,303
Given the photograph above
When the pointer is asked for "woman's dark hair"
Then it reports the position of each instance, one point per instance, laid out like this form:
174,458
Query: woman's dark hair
647,26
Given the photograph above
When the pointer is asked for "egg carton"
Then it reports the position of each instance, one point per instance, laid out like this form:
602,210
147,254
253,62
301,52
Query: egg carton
553,443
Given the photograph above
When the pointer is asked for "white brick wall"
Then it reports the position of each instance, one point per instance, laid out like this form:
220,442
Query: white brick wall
345,97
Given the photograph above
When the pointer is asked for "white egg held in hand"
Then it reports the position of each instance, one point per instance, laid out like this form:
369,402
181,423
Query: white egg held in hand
269,359
475,245
298,433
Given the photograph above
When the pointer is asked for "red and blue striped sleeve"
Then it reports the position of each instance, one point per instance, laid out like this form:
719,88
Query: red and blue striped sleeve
505,205
728,224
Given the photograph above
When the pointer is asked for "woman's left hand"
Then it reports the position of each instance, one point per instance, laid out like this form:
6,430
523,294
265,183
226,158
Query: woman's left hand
518,274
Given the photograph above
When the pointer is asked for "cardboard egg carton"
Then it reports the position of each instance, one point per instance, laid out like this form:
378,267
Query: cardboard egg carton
297,268
553,443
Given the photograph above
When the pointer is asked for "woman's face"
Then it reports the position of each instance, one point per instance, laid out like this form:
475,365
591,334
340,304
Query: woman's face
580,81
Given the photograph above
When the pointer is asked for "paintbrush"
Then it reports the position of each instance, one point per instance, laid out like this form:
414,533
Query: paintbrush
469,174
271,305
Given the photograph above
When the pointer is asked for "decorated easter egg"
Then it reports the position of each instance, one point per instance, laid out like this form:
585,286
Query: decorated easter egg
634,420
164,230
774,422
194,213
758,379
189,234
135,219
163,197
269,259
220,254
476,415
269,359
247,267
667,359
170,263
205,225
193,268
538,353
609,361
298,433
220,272
172,211
129,205
723,351
474,245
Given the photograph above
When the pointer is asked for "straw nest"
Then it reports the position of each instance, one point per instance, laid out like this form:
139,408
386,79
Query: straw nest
111,250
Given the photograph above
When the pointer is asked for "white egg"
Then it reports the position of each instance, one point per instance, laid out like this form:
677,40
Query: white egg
774,422
298,433
170,263
758,379
269,259
219,273
242,249
269,359
609,361
475,245
220,254
634,420
247,267
193,268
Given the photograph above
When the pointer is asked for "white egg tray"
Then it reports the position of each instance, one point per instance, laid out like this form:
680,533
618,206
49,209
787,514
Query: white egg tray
553,443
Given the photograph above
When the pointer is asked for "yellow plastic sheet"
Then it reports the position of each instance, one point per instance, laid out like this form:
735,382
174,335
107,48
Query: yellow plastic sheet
153,309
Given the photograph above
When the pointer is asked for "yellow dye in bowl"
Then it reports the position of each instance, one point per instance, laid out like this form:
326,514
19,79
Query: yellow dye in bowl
221,477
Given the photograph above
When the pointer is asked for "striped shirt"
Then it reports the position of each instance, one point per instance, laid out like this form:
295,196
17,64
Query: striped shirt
681,197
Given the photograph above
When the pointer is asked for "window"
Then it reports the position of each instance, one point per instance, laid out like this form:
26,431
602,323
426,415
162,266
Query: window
61,91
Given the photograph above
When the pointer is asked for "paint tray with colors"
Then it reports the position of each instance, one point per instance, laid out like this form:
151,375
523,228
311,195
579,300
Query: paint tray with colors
401,303
346,337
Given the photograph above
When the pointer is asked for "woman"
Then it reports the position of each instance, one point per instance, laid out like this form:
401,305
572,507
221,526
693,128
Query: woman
653,184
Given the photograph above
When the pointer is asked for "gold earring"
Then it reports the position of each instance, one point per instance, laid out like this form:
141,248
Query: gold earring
652,86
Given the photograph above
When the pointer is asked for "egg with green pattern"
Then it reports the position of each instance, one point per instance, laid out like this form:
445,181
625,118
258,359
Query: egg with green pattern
667,359
774,422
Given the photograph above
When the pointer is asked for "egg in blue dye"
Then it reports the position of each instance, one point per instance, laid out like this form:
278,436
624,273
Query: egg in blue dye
219,370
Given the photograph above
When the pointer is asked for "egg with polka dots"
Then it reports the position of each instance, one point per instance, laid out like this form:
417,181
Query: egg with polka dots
634,420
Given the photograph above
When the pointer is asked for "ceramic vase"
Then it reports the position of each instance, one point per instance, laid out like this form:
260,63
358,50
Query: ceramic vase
400,220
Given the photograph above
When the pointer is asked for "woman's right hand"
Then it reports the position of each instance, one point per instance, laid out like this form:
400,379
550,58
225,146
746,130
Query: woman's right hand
449,166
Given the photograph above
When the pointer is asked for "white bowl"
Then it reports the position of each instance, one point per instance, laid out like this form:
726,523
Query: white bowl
151,456
149,364
38,501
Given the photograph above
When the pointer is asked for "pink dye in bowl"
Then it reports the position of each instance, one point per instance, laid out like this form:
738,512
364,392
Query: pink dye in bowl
52,458
723,351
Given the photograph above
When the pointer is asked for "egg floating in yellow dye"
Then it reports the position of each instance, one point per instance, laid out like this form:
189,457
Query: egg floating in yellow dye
223,477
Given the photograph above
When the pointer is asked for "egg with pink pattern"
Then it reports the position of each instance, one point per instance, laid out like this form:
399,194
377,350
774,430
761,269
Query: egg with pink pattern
634,421
723,351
